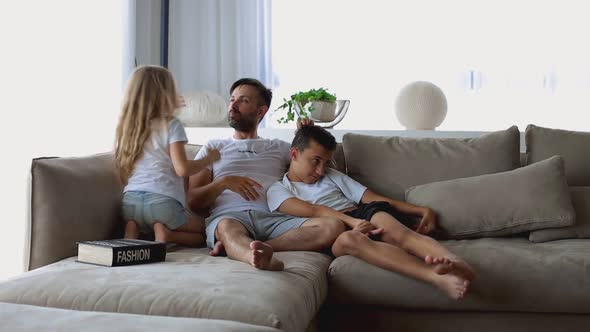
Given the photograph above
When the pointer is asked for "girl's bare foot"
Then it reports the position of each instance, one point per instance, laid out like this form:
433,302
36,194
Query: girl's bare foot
262,257
445,265
454,286
218,249
131,230
161,232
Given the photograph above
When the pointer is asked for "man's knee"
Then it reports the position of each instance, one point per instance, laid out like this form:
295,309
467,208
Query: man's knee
330,229
348,243
227,226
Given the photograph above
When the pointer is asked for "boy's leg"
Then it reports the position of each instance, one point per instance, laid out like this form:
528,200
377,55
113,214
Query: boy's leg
131,230
240,246
422,246
314,234
392,258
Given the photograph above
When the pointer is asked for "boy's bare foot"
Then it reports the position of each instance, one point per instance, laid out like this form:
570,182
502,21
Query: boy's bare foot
445,265
262,257
218,249
131,230
454,286
161,232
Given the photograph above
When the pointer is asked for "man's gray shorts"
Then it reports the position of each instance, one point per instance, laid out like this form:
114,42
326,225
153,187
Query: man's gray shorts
261,225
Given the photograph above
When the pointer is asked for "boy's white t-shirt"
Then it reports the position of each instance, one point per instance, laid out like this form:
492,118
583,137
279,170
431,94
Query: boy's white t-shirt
260,159
154,171
335,190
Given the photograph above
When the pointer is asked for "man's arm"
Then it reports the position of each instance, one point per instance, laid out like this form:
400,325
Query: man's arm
428,222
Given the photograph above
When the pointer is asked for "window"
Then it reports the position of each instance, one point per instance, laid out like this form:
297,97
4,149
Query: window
499,63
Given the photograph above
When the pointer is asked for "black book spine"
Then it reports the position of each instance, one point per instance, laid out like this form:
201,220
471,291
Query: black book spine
139,254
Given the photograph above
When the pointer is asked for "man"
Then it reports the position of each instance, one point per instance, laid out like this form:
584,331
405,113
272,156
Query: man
235,187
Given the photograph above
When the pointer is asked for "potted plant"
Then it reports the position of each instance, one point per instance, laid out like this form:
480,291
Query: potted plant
316,104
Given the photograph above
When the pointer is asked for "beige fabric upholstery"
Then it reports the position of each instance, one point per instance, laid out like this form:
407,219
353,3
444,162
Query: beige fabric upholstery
27,318
580,230
513,275
390,165
72,199
500,204
573,146
189,284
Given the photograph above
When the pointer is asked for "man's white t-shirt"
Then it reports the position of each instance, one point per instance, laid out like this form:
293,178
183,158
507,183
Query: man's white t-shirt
262,160
335,190
154,172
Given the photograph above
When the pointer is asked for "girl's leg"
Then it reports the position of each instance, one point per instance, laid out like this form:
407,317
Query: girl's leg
392,258
422,246
131,230
191,234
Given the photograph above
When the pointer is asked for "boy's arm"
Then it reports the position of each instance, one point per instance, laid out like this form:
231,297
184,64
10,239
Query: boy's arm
428,222
296,207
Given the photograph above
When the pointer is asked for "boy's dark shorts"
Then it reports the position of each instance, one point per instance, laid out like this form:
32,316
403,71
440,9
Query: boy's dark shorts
366,212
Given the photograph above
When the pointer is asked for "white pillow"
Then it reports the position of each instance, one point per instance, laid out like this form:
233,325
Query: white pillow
203,109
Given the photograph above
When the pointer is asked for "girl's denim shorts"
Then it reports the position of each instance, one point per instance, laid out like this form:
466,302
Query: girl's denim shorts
147,208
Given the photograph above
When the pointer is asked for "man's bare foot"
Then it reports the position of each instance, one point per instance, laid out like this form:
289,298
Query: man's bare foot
131,230
218,249
456,266
454,286
161,232
262,257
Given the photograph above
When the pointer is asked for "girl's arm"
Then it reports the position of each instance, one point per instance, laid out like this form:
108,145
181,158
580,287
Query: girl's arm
186,168
296,207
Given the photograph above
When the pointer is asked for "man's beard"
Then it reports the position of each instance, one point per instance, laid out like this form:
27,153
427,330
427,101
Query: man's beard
244,123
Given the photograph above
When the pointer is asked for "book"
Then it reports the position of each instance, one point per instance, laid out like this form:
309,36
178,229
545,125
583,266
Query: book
121,252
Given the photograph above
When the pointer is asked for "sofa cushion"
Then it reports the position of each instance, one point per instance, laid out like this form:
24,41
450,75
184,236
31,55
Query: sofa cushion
512,202
542,143
71,199
580,230
512,274
390,165
28,318
190,283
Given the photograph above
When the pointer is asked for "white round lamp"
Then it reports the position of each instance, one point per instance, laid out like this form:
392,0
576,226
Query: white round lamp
421,106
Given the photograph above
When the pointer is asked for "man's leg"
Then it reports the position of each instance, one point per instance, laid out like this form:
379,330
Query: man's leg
240,246
420,245
314,234
392,258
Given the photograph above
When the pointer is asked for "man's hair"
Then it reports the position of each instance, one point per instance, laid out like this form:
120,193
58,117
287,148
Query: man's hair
264,93
306,134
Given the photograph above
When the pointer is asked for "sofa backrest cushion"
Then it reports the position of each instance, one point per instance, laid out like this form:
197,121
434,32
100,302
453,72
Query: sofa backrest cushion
573,146
580,230
501,204
390,165
71,199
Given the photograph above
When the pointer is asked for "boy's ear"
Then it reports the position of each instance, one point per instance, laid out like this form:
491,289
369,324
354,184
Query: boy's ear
293,154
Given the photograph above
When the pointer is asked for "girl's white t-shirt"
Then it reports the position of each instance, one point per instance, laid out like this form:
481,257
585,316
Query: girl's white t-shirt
154,172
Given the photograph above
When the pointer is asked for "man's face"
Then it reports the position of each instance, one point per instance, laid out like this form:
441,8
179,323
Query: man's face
310,164
244,112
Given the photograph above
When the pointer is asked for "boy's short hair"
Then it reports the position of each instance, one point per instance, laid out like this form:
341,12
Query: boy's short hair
306,134
264,93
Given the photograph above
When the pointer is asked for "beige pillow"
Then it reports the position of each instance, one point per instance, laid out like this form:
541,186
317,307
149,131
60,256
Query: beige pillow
580,230
573,146
521,200
390,165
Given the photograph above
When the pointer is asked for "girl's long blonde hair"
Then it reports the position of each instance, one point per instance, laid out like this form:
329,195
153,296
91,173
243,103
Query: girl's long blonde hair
150,94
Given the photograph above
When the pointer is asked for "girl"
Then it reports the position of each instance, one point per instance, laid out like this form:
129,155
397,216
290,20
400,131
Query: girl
150,156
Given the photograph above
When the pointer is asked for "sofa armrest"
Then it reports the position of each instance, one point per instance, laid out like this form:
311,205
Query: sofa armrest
71,199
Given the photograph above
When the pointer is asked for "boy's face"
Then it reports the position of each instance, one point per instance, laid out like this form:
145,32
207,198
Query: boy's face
310,164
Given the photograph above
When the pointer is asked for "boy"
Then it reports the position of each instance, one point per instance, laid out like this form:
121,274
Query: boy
310,189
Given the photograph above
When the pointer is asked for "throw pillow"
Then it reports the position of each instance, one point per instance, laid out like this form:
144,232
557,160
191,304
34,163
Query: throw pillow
501,204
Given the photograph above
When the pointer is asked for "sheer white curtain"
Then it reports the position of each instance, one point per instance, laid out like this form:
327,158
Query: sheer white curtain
212,43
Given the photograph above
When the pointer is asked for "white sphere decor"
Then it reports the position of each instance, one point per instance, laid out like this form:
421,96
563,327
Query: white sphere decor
421,106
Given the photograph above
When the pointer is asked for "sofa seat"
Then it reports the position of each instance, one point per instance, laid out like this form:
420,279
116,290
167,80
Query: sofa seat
28,318
190,283
513,275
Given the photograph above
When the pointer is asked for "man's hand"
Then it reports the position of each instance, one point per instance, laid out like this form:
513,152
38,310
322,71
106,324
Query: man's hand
304,122
428,222
367,228
244,186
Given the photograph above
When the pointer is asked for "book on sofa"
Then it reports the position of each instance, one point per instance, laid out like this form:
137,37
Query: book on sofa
121,252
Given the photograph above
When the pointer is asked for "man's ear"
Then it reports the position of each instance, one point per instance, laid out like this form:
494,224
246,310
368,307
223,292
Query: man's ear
262,112
294,153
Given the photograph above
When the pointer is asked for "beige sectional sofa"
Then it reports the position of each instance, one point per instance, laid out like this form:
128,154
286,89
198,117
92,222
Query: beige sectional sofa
532,257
